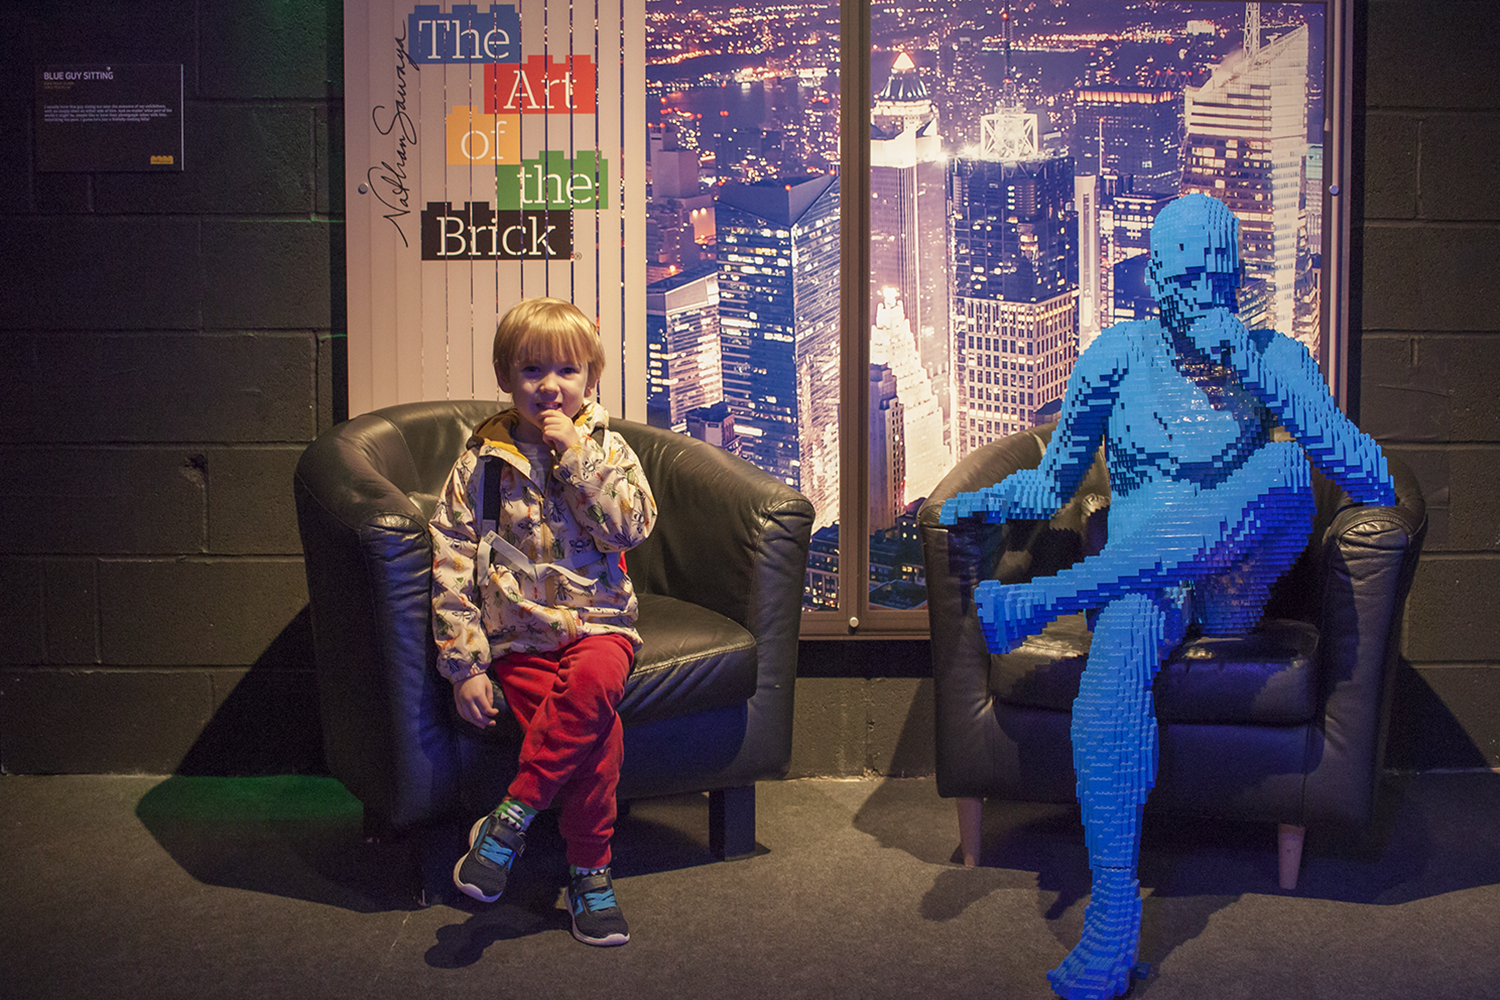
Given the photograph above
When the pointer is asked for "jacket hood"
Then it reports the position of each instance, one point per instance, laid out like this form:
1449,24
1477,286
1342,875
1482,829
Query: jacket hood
497,432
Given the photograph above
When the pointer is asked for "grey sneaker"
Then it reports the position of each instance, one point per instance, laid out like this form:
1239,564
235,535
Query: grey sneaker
494,845
597,919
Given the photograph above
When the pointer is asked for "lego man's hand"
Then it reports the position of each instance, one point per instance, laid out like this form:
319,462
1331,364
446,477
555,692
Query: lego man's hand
1217,333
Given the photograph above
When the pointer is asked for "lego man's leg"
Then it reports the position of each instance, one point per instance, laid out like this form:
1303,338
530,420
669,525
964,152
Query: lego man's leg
1114,755
1184,550
1169,539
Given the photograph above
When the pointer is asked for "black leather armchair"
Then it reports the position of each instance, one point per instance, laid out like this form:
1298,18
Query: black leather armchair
708,706
1286,724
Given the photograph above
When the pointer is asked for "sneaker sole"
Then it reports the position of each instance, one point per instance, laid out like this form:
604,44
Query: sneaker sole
473,891
610,941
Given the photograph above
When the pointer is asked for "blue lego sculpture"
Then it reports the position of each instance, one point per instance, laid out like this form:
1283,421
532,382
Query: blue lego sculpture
1207,511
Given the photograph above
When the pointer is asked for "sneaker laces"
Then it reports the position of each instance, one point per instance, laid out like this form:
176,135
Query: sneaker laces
494,851
598,899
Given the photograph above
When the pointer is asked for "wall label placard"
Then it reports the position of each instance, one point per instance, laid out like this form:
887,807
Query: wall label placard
108,118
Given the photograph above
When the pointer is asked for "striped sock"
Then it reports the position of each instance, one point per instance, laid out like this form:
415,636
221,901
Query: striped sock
515,812
574,871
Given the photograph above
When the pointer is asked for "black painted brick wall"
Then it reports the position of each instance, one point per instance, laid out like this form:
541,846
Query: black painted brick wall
1430,385
169,345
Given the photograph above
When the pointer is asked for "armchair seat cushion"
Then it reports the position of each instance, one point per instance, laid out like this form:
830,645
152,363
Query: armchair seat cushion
692,660
1266,677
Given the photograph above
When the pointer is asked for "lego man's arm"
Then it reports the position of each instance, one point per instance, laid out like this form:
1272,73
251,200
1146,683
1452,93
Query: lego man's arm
1038,493
1286,379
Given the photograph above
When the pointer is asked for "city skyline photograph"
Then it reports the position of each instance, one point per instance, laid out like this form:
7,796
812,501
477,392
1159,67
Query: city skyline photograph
1018,157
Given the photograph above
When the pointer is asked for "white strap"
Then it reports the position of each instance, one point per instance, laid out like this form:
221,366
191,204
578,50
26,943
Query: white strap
492,546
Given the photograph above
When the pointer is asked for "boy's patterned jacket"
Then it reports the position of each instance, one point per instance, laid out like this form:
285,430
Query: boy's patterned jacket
555,557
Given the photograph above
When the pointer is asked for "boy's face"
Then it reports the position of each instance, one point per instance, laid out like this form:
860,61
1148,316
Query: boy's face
540,385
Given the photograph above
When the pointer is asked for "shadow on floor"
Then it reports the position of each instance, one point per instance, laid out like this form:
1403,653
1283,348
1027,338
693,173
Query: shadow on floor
302,837
1430,837
651,836
291,836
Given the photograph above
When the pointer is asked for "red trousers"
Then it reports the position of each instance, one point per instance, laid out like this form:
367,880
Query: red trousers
565,701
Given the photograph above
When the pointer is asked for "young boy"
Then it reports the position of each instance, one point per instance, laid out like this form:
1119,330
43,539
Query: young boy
530,580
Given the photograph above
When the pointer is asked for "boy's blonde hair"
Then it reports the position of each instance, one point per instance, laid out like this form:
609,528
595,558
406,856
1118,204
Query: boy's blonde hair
546,329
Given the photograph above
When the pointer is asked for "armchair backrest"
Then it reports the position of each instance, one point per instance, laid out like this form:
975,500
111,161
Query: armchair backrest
383,471
706,498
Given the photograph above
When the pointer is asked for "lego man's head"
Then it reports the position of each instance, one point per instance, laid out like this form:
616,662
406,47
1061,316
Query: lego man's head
1195,259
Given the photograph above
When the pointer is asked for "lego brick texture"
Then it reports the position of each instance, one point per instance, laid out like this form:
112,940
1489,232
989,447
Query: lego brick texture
1207,511
151,319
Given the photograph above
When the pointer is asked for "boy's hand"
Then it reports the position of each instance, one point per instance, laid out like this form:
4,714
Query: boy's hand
475,699
559,431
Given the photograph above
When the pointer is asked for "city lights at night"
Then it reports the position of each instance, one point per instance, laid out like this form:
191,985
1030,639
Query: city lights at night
1018,158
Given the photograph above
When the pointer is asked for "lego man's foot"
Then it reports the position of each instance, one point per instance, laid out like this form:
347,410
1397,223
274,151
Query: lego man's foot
1099,968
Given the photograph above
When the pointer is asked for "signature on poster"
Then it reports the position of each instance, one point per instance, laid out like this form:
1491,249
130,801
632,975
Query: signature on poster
387,180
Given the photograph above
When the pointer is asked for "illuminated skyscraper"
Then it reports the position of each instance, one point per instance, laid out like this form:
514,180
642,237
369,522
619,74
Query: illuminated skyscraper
1132,296
1312,197
887,448
903,104
908,234
1129,236
1134,214
715,425
1133,134
1015,280
679,215
1308,324
778,259
1246,140
1093,280
920,455
684,363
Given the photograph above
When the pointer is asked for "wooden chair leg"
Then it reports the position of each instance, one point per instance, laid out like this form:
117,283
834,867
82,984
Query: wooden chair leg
1289,850
970,820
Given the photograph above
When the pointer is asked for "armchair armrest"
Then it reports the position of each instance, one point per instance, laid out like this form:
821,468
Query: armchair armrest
1369,558
956,559
368,556
726,534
